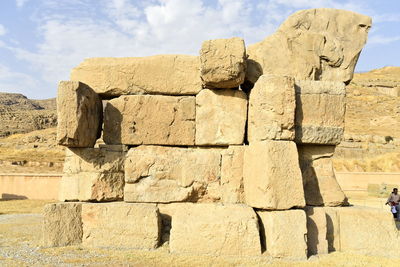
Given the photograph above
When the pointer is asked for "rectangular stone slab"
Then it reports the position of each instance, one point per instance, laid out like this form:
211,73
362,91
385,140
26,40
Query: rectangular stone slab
317,241
232,190
223,62
150,119
320,185
80,115
162,174
62,224
284,233
272,176
215,229
121,225
320,112
162,74
92,174
272,105
220,117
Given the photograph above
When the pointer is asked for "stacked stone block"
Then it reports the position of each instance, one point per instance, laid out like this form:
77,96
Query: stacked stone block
193,159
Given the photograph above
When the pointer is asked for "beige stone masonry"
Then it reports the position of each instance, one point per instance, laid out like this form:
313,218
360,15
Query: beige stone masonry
79,113
272,176
62,224
92,174
320,112
172,174
272,107
215,229
317,241
284,233
150,119
320,185
223,63
121,225
162,74
220,117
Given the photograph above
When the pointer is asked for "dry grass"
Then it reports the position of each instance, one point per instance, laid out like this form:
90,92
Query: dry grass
22,206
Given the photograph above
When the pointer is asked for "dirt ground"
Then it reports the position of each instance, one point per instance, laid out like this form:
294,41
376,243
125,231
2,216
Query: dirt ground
20,245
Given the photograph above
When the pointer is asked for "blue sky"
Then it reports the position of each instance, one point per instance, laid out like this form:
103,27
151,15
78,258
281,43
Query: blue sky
41,40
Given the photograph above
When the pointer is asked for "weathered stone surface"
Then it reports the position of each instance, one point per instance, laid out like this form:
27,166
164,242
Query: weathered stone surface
319,180
232,189
62,225
220,117
312,44
215,229
317,242
332,228
80,115
162,74
284,233
272,176
271,109
368,231
121,225
172,174
150,119
92,174
320,112
223,62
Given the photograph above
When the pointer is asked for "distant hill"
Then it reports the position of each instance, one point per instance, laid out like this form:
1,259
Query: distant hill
19,114
372,124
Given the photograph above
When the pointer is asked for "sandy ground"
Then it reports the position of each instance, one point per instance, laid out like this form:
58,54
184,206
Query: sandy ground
21,234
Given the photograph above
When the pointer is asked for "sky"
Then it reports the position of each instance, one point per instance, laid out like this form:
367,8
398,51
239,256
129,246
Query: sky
42,40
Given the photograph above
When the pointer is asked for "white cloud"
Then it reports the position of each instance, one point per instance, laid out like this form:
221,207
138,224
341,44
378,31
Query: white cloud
76,29
20,3
2,30
17,82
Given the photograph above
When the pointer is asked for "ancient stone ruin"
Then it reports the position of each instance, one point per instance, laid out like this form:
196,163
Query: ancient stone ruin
225,153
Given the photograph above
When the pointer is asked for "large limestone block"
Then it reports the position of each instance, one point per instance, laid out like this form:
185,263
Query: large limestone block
368,231
79,114
312,44
320,112
317,242
150,119
172,174
121,225
220,117
223,63
320,185
284,233
271,109
272,176
62,224
215,229
162,74
92,174
232,188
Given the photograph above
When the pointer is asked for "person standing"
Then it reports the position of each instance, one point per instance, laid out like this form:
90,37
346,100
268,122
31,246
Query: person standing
393,200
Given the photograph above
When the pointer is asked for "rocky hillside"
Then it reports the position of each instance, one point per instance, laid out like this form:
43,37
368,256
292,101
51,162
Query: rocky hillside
18,114
372,131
